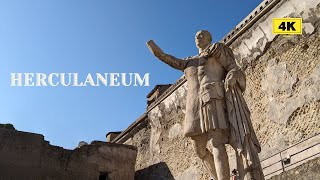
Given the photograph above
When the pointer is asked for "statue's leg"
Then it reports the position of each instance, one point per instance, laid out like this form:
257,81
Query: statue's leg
200,147
218,139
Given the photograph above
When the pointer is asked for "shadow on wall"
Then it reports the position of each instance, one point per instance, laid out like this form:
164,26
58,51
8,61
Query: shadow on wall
158,171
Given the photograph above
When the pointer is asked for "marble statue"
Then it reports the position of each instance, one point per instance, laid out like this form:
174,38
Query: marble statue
216,111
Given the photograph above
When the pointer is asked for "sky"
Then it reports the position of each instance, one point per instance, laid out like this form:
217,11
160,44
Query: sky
97,36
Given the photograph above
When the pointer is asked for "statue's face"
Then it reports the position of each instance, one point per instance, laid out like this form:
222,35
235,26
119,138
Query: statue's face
203,39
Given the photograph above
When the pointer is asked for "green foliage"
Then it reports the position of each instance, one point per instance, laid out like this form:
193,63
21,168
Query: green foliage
7,126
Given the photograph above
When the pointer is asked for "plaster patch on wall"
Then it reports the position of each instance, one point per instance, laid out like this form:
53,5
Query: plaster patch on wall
154,146
155,113
175,131
308,28
278,79
254,39
171,101
192,173
279,83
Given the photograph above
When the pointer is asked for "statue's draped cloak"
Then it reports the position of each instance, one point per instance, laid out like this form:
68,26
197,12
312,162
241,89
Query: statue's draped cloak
237,109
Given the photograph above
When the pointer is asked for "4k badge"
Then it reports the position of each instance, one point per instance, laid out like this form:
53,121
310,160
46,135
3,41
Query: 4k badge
287,25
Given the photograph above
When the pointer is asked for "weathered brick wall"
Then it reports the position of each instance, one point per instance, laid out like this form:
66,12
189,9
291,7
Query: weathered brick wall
283,79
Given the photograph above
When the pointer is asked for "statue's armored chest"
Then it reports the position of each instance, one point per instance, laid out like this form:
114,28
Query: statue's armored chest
209,67
191,73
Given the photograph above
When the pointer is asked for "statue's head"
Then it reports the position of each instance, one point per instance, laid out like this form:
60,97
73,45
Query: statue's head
203,39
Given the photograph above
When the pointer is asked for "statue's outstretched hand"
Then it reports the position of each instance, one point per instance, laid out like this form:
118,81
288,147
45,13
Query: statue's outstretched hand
155,49
166,58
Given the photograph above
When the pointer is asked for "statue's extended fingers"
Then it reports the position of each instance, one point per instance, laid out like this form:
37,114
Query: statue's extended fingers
154,48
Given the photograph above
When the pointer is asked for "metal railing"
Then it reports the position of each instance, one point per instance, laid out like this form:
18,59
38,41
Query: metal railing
285,162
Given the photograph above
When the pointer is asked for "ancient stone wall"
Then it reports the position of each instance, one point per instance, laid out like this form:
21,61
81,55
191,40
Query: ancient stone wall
28,156
283,76
283,85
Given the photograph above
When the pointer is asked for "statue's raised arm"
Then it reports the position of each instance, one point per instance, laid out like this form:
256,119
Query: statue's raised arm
166,58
